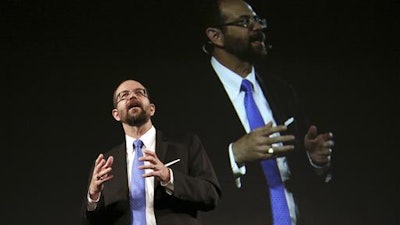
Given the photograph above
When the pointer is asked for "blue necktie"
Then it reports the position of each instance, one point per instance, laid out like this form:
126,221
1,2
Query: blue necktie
138,191
280,209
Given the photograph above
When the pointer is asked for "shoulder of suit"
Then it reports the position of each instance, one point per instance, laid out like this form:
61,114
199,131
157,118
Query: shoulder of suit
177,135
115,149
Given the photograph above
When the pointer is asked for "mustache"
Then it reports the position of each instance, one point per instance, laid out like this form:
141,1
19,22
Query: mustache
260,36
257,36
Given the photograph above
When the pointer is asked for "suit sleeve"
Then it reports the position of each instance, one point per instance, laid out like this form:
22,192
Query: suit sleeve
198,184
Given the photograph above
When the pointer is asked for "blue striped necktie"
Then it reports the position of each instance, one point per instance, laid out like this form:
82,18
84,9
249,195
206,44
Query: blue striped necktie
138,190
280,209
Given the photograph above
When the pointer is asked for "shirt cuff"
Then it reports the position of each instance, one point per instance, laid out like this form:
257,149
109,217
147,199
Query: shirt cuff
320,170
92,204
316,166
169,186
236,170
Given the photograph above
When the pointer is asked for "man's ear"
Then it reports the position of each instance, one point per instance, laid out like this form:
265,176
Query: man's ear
152,109
115,114
215,36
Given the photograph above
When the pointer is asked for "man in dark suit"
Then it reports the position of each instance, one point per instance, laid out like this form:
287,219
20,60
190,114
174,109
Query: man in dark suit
174,193
214,100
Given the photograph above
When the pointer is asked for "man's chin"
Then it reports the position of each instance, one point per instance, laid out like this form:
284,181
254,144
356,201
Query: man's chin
136,121
260,50
258,53
254,54
259,47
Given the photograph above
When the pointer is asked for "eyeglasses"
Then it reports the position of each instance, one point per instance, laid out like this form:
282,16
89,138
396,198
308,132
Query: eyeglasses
247,22
139,92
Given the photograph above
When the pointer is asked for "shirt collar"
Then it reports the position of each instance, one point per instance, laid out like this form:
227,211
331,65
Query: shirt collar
147,139
231,81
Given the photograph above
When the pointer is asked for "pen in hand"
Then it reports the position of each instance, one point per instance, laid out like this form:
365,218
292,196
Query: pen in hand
289,121
172,162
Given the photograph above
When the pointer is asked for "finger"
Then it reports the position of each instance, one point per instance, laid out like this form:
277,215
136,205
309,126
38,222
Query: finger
99,165
324,152
109,162
326,136
283,138
284,149
107,178
149,174
99,159
312,132
279,150
151,170
150,156
101,179
104,166
150,153
269,129
269,124
321,160
148,167
103,173
264,129
279,128
328,144
149,159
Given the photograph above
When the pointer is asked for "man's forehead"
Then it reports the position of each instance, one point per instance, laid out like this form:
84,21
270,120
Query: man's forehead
130,84
235,9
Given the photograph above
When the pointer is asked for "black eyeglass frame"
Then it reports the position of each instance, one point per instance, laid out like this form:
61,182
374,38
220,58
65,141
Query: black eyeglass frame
123,95
247,21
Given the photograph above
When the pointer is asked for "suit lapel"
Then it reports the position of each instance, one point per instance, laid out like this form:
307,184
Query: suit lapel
272,101
161,146
161,150
116,190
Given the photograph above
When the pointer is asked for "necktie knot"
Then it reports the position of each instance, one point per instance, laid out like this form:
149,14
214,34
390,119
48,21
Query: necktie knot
246,86
138,144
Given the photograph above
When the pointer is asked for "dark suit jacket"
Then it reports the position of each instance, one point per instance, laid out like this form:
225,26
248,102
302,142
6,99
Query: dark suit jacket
207,110
195,185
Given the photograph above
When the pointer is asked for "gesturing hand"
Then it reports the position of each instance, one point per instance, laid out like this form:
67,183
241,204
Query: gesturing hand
256,144
101,173
159,170
319,146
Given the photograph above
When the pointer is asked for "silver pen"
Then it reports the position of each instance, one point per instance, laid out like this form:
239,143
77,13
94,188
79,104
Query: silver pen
172,162
288,121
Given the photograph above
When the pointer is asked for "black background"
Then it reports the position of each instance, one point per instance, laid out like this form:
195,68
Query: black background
62,59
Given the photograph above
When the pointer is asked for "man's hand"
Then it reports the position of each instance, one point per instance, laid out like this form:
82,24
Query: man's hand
319,146
159,170
256,144
101,174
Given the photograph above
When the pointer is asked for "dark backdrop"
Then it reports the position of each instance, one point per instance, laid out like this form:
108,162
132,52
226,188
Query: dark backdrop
61,61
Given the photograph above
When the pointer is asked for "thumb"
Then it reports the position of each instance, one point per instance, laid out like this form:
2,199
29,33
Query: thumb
312,132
